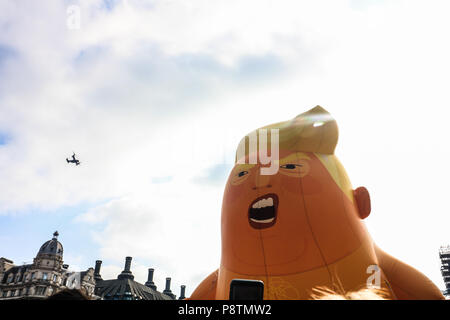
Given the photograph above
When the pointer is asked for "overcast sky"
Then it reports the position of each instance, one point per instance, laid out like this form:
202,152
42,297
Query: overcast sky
154,96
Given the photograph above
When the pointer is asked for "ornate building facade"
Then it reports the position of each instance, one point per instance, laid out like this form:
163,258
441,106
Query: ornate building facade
45,276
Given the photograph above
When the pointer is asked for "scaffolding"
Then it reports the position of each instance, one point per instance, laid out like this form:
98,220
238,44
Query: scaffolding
444,255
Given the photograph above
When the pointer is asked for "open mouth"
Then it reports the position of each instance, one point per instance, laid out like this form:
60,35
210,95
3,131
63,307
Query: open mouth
262,212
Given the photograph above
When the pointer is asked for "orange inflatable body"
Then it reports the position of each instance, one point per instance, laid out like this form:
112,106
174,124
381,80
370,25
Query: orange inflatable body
302,227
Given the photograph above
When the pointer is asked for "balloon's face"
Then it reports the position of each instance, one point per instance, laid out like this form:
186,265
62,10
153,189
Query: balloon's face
292,221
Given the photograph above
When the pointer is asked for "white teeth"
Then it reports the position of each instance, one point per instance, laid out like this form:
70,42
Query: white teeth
263,203
263,221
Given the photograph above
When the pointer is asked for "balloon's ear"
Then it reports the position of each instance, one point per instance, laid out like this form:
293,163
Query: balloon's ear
362,199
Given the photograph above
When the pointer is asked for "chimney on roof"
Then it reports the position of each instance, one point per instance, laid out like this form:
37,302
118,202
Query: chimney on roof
128,264
126,273
98,265
167,284
150,282
182,293
167,290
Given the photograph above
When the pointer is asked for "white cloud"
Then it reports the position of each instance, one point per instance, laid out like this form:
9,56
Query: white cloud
174,227
167,89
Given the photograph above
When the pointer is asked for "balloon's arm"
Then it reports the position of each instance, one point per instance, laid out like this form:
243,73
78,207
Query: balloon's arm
407,282
206,290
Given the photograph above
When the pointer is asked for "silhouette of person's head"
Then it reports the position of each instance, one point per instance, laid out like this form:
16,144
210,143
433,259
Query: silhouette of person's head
69,294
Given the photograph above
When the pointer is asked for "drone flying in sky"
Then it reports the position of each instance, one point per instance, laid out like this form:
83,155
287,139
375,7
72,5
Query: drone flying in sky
74,160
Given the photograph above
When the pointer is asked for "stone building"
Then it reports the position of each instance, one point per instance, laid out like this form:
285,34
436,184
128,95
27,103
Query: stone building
45,276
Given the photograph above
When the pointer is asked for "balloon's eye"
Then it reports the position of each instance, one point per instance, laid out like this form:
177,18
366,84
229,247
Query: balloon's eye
291,166
242,173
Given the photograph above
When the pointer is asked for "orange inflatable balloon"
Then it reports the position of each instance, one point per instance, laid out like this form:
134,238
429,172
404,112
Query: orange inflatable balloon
302,227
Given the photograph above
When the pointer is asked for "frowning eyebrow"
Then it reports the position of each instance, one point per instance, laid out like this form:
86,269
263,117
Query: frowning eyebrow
293,158
244,166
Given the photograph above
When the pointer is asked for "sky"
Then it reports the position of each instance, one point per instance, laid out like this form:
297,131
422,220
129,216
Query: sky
154,96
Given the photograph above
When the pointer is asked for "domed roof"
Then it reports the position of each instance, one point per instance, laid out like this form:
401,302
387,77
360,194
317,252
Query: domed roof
52,246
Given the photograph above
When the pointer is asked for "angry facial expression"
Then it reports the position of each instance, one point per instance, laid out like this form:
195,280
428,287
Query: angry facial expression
295,220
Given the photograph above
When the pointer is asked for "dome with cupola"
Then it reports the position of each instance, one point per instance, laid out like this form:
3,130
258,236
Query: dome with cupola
52,247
